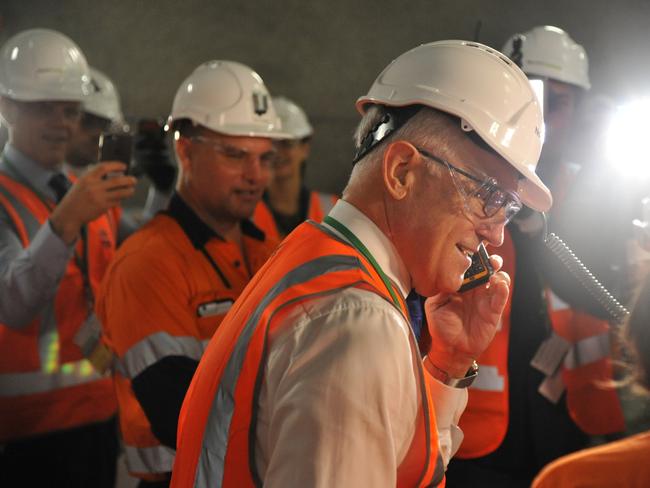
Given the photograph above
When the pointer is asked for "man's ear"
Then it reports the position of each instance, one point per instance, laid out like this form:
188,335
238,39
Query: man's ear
398,164
183,148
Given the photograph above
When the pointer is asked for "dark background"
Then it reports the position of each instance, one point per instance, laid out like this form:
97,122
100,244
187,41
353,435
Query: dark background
321,54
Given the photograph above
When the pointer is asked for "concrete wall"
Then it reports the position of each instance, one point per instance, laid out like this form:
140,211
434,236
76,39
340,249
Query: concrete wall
322,54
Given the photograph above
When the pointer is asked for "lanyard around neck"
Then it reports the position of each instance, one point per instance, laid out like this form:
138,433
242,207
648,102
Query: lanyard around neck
354,240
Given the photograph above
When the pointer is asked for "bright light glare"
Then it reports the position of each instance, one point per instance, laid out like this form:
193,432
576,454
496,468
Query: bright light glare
627,139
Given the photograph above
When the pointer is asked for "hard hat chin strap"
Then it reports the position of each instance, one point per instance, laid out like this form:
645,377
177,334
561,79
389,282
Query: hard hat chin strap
393,119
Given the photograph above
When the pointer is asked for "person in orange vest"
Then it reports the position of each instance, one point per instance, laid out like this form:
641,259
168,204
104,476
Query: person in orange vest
287,202
57,414
173,281
623,463
314,378
541,395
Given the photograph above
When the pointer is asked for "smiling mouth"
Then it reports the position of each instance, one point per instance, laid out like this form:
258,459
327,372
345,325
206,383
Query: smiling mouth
463,250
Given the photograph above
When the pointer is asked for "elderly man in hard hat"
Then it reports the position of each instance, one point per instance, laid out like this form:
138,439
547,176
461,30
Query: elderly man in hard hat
56,238
172,282
519,417
288,202
315,378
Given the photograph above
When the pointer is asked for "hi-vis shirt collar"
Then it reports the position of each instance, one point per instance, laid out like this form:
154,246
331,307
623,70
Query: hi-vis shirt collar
376,241
198,232
32,172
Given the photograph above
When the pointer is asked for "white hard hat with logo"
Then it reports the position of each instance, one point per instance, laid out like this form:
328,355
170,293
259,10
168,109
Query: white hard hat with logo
482,87
549,52
294,119
43,65
229,98
103,101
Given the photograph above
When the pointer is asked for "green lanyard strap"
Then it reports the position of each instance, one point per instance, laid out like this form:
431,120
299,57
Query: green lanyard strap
354,240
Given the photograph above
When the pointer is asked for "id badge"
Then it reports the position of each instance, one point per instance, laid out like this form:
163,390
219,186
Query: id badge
550,354
89,340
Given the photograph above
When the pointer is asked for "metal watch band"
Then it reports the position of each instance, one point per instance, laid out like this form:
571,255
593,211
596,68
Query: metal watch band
445,379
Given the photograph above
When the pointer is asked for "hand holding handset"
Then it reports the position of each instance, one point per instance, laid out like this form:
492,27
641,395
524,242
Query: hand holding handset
116,146
479,271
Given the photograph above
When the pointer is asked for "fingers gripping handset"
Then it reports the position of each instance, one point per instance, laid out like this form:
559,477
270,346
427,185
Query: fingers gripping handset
90,196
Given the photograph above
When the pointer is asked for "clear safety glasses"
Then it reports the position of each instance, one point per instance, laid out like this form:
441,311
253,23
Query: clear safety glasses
492,198
238,158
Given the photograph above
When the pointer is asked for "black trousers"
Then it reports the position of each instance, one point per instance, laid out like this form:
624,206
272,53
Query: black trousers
76,458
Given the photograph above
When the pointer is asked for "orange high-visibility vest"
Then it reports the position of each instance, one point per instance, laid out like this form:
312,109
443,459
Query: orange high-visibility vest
219,414
595,409
320,205
485,420
45,382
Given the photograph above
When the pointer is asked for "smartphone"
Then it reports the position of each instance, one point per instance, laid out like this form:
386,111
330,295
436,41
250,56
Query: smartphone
480,270
116,147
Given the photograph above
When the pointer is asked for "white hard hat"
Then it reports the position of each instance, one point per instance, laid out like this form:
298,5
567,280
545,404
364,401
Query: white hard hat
550,52
482,87
41,65
229,98
104,101
294,119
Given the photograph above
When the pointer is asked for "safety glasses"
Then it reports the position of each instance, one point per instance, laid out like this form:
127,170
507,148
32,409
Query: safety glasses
492,199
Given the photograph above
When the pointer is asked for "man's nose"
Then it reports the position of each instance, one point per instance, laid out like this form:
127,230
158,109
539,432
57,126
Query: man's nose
491,232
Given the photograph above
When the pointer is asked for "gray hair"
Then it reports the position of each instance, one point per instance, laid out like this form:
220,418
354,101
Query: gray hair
428,127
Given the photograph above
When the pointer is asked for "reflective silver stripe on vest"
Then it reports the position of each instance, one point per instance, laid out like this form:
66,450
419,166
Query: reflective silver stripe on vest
588,351
325,201
153,348
69,374
29,221
439,472
488,379
156,459
210,467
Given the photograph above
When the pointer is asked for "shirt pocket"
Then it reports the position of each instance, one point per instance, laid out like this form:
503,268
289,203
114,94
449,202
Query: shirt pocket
210,308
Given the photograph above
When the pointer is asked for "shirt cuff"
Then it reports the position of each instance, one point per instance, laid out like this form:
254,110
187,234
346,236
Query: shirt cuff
49,252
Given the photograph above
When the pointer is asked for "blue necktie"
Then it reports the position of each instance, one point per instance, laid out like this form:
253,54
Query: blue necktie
415,305
60,184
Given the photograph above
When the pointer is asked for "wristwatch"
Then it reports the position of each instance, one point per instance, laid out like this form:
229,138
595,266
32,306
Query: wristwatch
445,379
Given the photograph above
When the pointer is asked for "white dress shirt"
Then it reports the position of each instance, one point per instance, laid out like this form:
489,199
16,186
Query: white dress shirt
340,394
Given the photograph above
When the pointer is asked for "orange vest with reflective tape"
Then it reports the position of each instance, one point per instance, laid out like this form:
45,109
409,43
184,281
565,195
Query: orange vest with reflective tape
596,410
45,382
220,410
320,205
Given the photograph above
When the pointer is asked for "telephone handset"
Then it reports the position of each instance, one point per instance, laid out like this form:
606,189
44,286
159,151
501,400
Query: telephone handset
479,271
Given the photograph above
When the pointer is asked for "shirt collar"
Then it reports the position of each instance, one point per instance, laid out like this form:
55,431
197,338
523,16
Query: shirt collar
376,241
31,171
198,232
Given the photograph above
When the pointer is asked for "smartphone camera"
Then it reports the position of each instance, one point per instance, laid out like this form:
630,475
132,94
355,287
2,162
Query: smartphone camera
116,147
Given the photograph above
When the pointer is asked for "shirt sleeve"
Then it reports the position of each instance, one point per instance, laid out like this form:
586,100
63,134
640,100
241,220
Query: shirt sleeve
340,398
29,277
147,322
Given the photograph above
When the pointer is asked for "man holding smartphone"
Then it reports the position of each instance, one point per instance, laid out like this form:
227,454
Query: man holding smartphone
173,281
56,240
